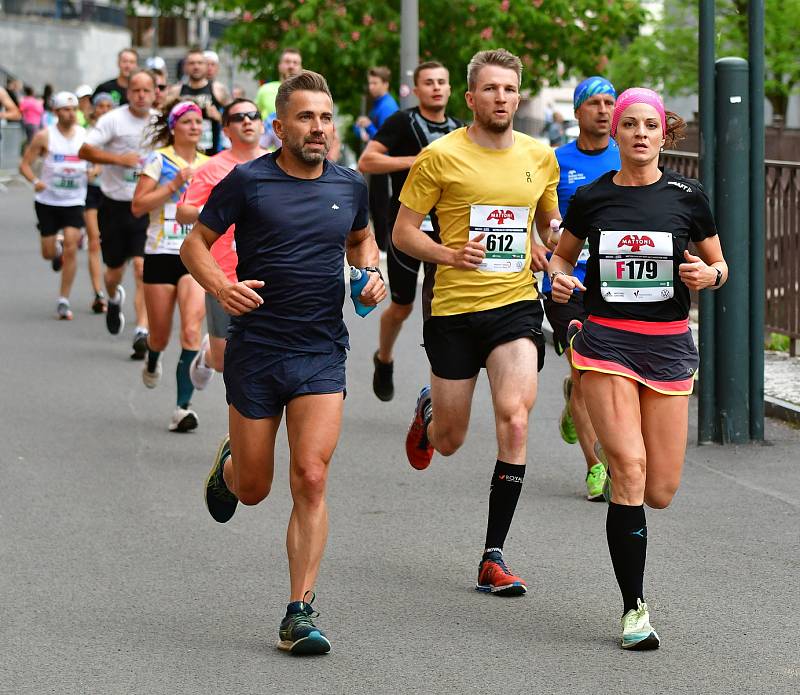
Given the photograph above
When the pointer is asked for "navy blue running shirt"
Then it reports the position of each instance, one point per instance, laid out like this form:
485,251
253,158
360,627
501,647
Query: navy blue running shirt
291,234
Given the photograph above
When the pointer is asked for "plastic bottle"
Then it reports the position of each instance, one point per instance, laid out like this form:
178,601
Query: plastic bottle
358,279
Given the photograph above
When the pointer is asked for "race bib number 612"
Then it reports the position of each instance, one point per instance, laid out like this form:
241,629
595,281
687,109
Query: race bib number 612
506,236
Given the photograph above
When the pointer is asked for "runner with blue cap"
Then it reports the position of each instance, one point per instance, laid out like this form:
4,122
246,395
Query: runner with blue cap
581,162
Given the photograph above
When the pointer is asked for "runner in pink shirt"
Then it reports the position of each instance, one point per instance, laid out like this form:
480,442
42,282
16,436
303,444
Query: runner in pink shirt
32,110
242,125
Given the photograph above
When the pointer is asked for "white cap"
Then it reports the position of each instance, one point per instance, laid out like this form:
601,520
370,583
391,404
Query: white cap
211,56
155,63
64,99
84,91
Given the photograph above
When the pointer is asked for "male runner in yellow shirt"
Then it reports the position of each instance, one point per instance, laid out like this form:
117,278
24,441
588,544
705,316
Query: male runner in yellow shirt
488,184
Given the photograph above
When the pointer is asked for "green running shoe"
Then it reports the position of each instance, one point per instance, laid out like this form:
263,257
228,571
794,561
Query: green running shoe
637,633
220,501
298,634
601,456
595,482
566,426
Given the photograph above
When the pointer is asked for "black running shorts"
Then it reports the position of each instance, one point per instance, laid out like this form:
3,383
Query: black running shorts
93,197
163,269
122,235
559,315
458,345
53,218
403,272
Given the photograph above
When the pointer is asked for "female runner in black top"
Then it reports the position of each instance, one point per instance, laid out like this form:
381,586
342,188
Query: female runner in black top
635,354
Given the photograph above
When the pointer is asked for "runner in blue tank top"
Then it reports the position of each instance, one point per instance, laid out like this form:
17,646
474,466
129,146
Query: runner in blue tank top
593,154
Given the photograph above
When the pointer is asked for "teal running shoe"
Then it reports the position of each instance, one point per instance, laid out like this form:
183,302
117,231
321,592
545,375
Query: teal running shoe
637,632
220,501
595,482
566,426
298,634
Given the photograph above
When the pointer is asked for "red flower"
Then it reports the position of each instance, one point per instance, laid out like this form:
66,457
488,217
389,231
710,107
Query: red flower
486,34
355,35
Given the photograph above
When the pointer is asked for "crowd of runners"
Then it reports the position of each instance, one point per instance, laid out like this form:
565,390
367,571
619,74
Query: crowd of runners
236,212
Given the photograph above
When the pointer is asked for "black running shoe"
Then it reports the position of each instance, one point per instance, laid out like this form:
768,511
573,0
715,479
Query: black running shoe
115,319
139,346
99,303
382,382
220,501
58,260
298,634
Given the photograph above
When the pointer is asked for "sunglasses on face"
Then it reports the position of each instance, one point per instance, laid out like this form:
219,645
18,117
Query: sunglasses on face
239,117
161,87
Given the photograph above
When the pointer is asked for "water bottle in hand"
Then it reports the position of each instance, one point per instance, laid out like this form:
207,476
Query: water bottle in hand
358,279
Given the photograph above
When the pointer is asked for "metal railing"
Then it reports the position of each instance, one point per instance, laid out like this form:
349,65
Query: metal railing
782,240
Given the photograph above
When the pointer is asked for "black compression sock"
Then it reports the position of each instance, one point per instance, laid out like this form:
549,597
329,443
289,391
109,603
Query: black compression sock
626,531
503,496
152,360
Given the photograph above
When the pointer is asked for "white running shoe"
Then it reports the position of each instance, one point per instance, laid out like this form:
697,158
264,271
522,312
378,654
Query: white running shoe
199,372
637,632
151,379
183,420
63,311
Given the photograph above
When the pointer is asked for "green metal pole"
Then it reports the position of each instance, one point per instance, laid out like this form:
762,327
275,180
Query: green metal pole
706,420
732,213
757,196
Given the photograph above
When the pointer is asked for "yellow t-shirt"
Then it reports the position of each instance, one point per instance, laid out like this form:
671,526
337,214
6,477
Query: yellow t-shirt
476,189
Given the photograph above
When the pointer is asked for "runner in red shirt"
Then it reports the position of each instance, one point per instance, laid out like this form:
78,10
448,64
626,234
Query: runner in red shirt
242,125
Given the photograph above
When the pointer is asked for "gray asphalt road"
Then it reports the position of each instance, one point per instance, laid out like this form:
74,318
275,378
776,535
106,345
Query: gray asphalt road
114,579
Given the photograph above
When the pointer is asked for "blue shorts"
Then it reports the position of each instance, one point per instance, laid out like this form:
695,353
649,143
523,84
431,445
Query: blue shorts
261,379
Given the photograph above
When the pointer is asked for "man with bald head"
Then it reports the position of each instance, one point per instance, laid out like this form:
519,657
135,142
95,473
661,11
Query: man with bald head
117,141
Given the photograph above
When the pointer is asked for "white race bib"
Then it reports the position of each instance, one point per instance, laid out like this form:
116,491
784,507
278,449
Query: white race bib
427,224
506,240
173,233
67,176
206,136
636,266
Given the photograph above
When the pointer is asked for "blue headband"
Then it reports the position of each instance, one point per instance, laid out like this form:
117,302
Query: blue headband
590,87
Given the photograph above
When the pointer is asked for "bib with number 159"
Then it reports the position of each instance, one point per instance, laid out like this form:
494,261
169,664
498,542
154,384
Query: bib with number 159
506,230
636,266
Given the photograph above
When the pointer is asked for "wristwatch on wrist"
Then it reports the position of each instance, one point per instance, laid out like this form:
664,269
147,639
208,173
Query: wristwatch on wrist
374,269
554,273
719,277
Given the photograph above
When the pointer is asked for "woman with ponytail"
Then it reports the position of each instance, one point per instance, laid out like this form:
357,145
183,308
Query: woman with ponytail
165,176
635,353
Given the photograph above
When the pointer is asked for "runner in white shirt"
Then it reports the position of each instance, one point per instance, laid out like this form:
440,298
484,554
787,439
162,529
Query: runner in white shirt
117,141
60,191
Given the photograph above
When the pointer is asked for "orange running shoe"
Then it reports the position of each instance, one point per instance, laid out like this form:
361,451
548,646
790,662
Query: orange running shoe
495,577
418,448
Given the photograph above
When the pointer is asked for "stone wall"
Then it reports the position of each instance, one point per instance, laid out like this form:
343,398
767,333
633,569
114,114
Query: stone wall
60,52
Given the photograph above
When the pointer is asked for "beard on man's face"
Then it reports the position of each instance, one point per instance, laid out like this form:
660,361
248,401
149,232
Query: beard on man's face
492,123
297,147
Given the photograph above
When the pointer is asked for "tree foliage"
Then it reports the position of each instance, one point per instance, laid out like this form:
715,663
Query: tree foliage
554,38
667,58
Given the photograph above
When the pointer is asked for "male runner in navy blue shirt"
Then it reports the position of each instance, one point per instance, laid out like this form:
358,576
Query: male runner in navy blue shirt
296,214
581,162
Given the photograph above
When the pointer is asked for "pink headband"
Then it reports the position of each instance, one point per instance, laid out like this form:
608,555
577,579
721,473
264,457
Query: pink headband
638,95
181,108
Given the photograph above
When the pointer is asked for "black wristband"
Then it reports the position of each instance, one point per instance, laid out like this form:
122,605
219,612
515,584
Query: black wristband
374,269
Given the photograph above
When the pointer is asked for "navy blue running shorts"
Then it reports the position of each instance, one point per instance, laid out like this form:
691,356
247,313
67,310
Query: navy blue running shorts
261,379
